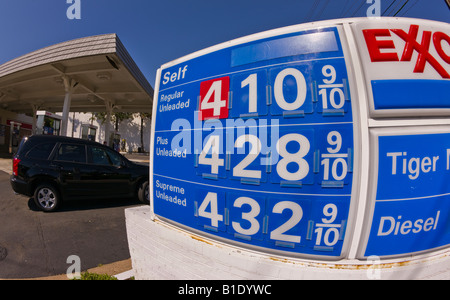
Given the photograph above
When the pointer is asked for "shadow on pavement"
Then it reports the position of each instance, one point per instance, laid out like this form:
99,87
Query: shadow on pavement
89,204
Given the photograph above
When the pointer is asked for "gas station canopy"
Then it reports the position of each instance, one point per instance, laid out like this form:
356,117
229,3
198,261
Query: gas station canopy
92,74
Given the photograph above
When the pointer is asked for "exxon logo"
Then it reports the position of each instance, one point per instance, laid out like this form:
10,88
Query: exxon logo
380,44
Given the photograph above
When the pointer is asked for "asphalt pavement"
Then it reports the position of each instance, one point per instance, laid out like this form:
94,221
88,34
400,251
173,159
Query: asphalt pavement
37,244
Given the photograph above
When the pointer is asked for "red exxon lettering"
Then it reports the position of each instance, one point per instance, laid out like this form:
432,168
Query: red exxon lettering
422,49
438,37
424,56
375,45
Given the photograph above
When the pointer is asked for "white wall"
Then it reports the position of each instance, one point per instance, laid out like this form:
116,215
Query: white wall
128,129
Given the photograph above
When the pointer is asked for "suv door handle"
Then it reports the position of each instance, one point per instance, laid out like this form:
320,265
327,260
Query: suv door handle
57,166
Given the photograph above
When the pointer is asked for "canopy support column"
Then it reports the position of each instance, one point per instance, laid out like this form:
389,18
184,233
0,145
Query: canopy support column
69,85
34,107
109,109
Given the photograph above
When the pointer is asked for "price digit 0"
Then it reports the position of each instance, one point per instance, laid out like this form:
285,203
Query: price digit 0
301,89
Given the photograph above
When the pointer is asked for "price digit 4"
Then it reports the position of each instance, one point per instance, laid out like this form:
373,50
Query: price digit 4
213,213
214,161
214,96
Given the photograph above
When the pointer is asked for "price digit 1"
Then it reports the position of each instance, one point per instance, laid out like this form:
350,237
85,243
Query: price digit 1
251,82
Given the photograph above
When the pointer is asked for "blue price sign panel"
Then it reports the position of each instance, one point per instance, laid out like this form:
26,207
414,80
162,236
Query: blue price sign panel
411,193
253,143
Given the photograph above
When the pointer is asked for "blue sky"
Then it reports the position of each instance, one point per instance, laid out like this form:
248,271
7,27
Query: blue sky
156,32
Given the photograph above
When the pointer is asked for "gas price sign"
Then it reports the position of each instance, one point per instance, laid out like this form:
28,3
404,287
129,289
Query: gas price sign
253,143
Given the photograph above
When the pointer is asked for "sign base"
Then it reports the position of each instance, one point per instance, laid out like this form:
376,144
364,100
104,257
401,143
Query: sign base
161,251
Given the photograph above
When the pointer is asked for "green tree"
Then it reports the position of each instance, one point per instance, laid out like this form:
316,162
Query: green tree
116,117
143,117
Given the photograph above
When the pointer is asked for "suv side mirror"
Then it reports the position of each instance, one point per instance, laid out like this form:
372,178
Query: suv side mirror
123,164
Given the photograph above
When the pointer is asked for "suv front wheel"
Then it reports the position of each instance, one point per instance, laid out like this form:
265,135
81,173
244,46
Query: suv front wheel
47,197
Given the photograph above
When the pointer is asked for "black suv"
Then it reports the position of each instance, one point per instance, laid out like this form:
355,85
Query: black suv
53,168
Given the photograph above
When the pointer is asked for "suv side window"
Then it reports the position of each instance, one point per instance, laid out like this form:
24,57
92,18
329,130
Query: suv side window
114,157
41,151
99,156
103,156
72,153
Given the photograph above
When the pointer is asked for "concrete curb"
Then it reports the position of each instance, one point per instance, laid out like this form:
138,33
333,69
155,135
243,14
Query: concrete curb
125,275
122,270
